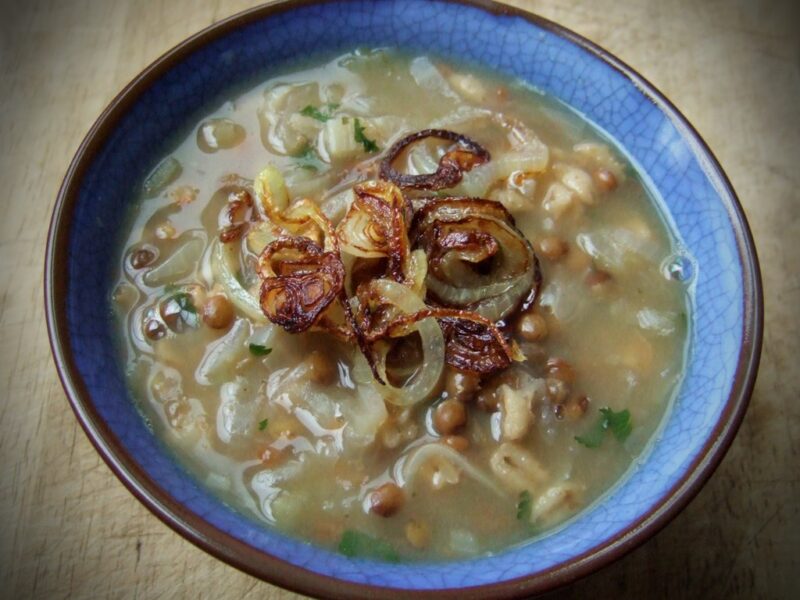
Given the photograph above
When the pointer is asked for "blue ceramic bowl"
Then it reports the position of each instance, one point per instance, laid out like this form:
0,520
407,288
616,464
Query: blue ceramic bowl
174,92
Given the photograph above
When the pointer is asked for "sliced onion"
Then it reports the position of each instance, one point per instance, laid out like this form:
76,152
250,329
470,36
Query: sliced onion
383,293
302,217
407,468
222,270
299,282
179,264
223,355
466,155
458,235
376,226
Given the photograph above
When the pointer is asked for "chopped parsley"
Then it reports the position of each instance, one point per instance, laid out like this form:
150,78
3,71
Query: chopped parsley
184,300
307,158
316,113
618,423
186,310
361,138
262,425
356,544
259,350
524,506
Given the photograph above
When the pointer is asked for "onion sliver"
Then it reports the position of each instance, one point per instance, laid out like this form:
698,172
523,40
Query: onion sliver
477,259
407,469
424,381
223,273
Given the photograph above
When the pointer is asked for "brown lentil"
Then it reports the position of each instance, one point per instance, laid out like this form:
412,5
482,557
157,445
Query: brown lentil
449,416
386,500
142,257
605,180
457,442
461,385
321,369
218,312
553,247
154,329
532,327
558,368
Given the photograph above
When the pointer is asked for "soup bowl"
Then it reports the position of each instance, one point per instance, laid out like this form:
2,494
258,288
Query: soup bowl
166,99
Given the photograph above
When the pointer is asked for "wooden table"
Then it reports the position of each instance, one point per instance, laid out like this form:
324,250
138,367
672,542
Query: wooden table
69,528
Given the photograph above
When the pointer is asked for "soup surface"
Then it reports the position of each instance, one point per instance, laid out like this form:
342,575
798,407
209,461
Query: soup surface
324,323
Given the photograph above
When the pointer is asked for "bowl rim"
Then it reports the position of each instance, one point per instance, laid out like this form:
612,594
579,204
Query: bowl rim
277,571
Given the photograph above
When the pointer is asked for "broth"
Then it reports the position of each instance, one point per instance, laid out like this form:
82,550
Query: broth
291,428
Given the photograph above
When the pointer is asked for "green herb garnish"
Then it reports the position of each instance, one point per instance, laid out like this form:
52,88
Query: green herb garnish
315,113
524,506
361,138
307,158
259,350
262,425
619,423
360,545
185,302
186,308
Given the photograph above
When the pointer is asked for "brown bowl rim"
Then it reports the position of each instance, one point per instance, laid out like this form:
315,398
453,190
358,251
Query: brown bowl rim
277,571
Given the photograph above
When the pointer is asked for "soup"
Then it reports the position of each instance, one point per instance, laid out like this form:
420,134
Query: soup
401,309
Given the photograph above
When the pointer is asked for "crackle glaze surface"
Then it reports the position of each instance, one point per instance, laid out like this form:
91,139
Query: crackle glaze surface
674,163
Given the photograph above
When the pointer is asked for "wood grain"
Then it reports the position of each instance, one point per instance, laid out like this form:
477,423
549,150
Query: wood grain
69,529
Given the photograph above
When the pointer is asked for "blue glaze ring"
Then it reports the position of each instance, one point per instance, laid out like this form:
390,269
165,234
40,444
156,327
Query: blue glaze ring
171,95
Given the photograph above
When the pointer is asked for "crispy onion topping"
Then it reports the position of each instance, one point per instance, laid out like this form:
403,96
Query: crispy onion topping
239,214
301,217
466,155
473,343
375,226
477,259
387,311
300,281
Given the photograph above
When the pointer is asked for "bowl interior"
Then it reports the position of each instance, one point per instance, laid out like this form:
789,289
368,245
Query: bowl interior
176,92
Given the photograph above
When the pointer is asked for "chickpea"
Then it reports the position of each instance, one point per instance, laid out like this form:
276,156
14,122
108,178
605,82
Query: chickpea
386,500
218,312
154,329
553,247
532,327
457,442
142,257
449,416
558,368
605,180
461,385
321,369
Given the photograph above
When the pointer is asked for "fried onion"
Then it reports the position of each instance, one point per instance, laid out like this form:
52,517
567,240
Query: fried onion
477,258
376,226
300,281
453,164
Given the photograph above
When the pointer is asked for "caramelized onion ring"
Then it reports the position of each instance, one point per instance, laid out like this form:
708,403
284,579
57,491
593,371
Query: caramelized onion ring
473,343
452,165
300,281
376,226
389,310
477,259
